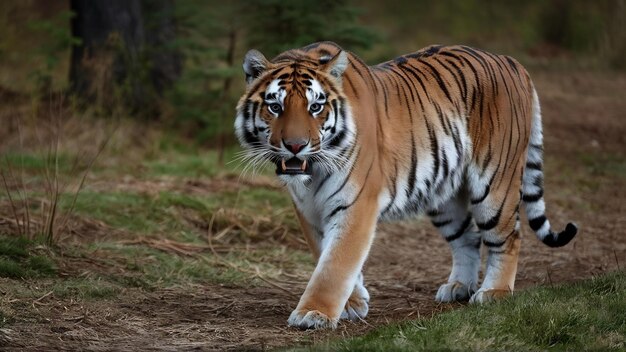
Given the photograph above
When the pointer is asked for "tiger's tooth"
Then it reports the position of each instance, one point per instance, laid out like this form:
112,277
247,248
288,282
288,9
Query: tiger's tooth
303,167
283,165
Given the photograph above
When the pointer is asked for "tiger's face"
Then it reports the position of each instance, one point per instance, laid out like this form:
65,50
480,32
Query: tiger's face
294,114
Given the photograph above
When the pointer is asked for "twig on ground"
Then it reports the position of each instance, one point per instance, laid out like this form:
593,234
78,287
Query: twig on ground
38,300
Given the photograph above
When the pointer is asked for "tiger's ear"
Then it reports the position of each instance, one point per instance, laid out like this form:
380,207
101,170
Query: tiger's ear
337,65
254,63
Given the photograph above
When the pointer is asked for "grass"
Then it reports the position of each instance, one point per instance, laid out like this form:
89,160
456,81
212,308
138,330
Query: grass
151,268
587,315
169,212
34,162
85,288
160,212
180,161
19,260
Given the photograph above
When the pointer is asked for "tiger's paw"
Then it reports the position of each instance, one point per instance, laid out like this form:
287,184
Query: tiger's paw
485,295
455,291
356,308
311,319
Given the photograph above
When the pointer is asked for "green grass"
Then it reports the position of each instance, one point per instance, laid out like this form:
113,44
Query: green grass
85,288
34,162
151,268
184,162
18,260
162,213
589,315
604,164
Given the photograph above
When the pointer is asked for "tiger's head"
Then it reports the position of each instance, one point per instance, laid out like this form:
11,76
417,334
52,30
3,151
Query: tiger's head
294,113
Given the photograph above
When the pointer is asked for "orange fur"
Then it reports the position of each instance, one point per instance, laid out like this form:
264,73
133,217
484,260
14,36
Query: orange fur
445,130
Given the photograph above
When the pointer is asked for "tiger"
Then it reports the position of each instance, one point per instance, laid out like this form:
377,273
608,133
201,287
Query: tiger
450,132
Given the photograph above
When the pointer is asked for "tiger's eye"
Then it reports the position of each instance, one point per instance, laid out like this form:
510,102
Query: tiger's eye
315,107
275,108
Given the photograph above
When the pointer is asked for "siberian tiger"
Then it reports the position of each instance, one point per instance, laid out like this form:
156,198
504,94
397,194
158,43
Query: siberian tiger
449,131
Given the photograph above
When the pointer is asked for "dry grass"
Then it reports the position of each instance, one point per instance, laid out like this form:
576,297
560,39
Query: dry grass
48,221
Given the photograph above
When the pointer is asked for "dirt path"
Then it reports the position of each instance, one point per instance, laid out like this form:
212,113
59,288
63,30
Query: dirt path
585,129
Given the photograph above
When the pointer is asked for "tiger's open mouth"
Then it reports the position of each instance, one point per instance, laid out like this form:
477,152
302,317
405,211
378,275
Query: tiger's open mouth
293,166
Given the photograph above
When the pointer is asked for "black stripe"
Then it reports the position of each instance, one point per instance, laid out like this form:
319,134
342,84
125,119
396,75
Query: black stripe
384,89
491,223
529,198
534,166
408,85
498,244
512,64
461,229
483,196
536,223
337,139
413,171
255,106
393,189
246,110
434,150
345,181
336,110
456,80
433,212
250,138
442,119
344,207
493,244
419,80
321,184
441,83
441,223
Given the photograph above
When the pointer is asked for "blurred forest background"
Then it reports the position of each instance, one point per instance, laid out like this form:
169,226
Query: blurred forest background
179,63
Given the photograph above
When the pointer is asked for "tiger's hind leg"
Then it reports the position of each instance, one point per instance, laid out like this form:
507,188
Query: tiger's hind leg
455,223
495,208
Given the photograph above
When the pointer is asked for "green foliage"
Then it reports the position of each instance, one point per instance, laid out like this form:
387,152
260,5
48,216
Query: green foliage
208,35
580,316
214,35
17,260
275,26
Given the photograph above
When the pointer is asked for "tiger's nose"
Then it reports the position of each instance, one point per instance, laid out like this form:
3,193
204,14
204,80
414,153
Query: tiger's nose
295,145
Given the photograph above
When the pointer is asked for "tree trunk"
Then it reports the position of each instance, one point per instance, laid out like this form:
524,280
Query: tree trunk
121,57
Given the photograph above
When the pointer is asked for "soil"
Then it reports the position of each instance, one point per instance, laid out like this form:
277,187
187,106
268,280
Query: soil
584,127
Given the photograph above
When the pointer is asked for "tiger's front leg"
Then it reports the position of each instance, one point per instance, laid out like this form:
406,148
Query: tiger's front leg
335,289
357,306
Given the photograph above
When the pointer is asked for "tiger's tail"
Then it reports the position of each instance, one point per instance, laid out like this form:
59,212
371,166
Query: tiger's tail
532,186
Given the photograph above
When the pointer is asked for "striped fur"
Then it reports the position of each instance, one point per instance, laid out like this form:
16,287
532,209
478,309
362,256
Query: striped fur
452,132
